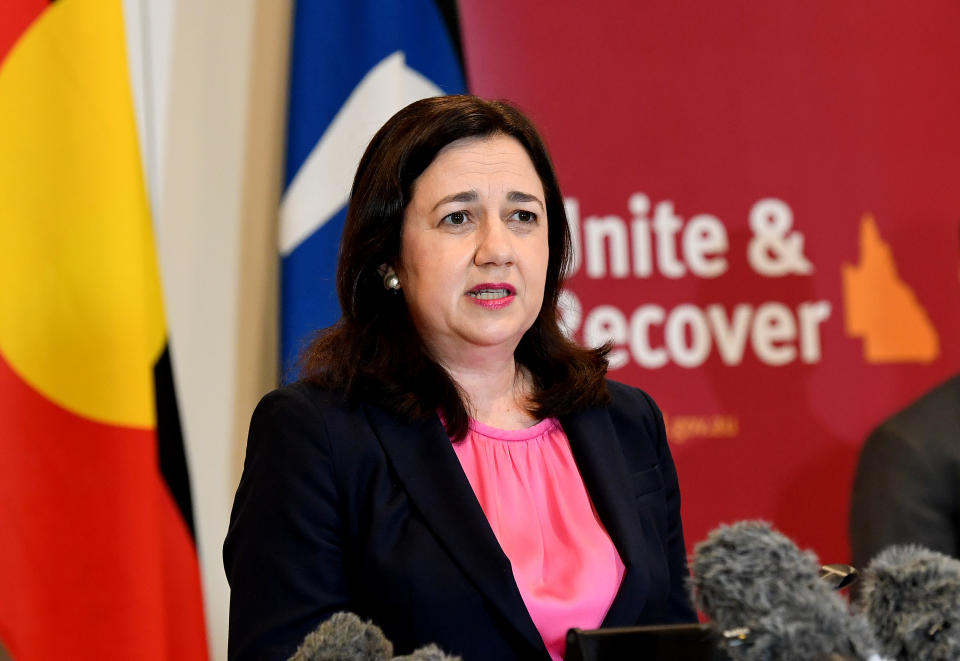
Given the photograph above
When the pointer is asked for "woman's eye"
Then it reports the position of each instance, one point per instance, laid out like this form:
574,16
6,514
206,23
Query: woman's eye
524,216
455,218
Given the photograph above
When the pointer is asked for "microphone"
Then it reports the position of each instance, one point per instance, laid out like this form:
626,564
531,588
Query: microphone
911,596
427,653
345,637
764,595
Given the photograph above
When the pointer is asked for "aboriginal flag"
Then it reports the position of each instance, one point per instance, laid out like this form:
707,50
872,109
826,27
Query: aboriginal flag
354,64
97,555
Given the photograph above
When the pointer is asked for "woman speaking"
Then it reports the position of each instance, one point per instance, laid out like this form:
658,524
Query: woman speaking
451,466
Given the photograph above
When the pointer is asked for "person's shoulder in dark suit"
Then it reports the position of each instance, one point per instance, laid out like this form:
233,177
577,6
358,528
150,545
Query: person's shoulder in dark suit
907,484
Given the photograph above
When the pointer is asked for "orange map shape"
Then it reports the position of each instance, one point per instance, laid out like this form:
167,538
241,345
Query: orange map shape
882,309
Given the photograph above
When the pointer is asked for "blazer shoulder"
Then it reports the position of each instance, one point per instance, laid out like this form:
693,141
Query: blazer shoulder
304,393
303,417
625,399
636,416
303,398
932,418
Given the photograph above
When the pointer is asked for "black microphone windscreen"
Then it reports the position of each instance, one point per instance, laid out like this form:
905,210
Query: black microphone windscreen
345,637
911,596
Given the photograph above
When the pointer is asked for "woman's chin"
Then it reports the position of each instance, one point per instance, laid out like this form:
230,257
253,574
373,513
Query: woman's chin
495,337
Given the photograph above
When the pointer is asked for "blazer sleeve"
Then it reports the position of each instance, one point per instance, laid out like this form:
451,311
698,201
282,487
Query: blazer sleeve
679,607
283,553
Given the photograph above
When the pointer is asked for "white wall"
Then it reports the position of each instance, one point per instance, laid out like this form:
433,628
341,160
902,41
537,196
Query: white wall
210,81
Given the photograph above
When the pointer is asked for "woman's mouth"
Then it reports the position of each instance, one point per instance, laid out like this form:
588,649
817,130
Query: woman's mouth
492,295
489,294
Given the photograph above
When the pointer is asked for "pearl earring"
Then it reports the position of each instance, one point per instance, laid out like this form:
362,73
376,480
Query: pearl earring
391,281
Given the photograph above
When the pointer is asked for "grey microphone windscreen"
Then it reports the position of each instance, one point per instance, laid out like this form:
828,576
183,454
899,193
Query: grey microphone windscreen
427,653
345,637
911,596
747,575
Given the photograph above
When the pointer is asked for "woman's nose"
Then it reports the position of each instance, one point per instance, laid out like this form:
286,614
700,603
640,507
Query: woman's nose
495,244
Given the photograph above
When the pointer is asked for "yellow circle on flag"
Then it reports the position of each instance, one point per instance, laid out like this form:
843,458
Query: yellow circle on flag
81,316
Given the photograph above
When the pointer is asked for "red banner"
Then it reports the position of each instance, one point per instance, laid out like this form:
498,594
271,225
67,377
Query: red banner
765,200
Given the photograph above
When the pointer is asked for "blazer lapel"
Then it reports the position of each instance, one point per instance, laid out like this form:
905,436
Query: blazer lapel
603,467
422,455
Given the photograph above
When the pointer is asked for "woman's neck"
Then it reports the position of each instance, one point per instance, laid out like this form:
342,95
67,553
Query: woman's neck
497,392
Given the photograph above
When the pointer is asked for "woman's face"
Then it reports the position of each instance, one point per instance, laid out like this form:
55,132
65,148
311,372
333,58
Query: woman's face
473,255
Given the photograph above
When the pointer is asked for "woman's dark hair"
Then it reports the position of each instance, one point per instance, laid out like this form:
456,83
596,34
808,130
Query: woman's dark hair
374,353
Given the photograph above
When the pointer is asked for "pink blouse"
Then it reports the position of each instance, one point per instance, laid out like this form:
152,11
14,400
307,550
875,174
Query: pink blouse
564,563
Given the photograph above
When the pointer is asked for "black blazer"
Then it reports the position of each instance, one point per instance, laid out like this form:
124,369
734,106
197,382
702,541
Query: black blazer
346,508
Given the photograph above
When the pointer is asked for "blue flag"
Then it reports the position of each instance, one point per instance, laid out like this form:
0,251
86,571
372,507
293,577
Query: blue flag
355,63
